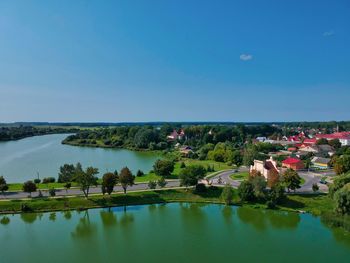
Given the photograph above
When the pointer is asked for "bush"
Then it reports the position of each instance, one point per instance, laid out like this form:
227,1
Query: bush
37,181
161,182
342,200
227,194
315,187
152,184
48,180
200,188
182,165
140,173
246,191
163,167
52,192
271,204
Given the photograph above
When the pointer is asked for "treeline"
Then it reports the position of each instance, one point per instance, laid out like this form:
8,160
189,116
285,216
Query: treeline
155,138
20,132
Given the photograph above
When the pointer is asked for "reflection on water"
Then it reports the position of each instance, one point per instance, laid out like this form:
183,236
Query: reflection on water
52,217
85,228
108,218
30,218
227,213
187,232
337,224
260,219
67,215
5,220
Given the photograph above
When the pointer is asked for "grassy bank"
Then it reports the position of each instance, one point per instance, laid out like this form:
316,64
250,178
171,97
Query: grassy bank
315,204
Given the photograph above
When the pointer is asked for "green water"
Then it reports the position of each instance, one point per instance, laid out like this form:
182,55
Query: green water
21,160
171,233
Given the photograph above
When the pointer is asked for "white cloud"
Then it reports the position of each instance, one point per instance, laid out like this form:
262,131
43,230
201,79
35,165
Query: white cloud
328,33
246,57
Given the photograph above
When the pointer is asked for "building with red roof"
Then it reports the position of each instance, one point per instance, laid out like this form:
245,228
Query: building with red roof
293,163
343,137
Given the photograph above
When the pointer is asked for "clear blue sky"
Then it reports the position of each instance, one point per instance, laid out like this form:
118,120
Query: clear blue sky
174,60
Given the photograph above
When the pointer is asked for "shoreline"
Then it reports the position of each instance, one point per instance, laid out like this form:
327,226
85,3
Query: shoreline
167,195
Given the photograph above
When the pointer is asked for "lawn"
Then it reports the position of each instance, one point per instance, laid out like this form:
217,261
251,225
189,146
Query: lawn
239,176
18,186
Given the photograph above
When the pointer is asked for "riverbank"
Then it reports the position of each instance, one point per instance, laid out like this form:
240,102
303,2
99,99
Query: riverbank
314,204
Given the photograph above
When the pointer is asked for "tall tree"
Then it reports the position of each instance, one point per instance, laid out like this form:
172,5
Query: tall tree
190,175
163,167
292,180
3,185
227,194
29,187
126,178
109,180
86,179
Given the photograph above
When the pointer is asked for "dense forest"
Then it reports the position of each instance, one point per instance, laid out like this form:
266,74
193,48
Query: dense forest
9,133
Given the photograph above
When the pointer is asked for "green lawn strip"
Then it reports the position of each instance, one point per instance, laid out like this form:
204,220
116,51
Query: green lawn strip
18,186
239,176
315,204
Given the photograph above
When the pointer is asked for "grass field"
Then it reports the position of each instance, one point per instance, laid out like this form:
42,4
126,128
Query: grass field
239,176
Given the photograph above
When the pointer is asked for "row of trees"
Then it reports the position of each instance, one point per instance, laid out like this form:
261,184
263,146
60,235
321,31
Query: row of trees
255,188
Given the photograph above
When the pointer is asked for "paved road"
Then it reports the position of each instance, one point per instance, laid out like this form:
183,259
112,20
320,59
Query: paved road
77,191
309,177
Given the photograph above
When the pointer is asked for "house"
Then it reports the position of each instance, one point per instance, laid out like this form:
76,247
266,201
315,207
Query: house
293,163
266,168
176,136
343,137
320,163
261,139
310,141
319,150
185,151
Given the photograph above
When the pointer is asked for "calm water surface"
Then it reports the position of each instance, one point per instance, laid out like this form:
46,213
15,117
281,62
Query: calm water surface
22,160
171,233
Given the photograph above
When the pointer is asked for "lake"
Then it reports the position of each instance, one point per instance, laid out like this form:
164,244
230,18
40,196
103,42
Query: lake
21,160
171,233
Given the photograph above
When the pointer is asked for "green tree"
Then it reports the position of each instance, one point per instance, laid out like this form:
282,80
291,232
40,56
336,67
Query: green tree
246,191
335,143
315,187
259,185
109,180
342,164
277,194
66,174
86,179
190,175
227,194
67,186
152,184
163,167
126,178
52,192
29,187
338,183
3,185
139,173
322,141
291,179
161,182
342,200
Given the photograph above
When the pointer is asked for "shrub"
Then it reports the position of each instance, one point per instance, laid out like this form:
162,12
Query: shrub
342,200
246,191
200,188
52,192
140,173
48,180
161,182
37,181
152,184
227,194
